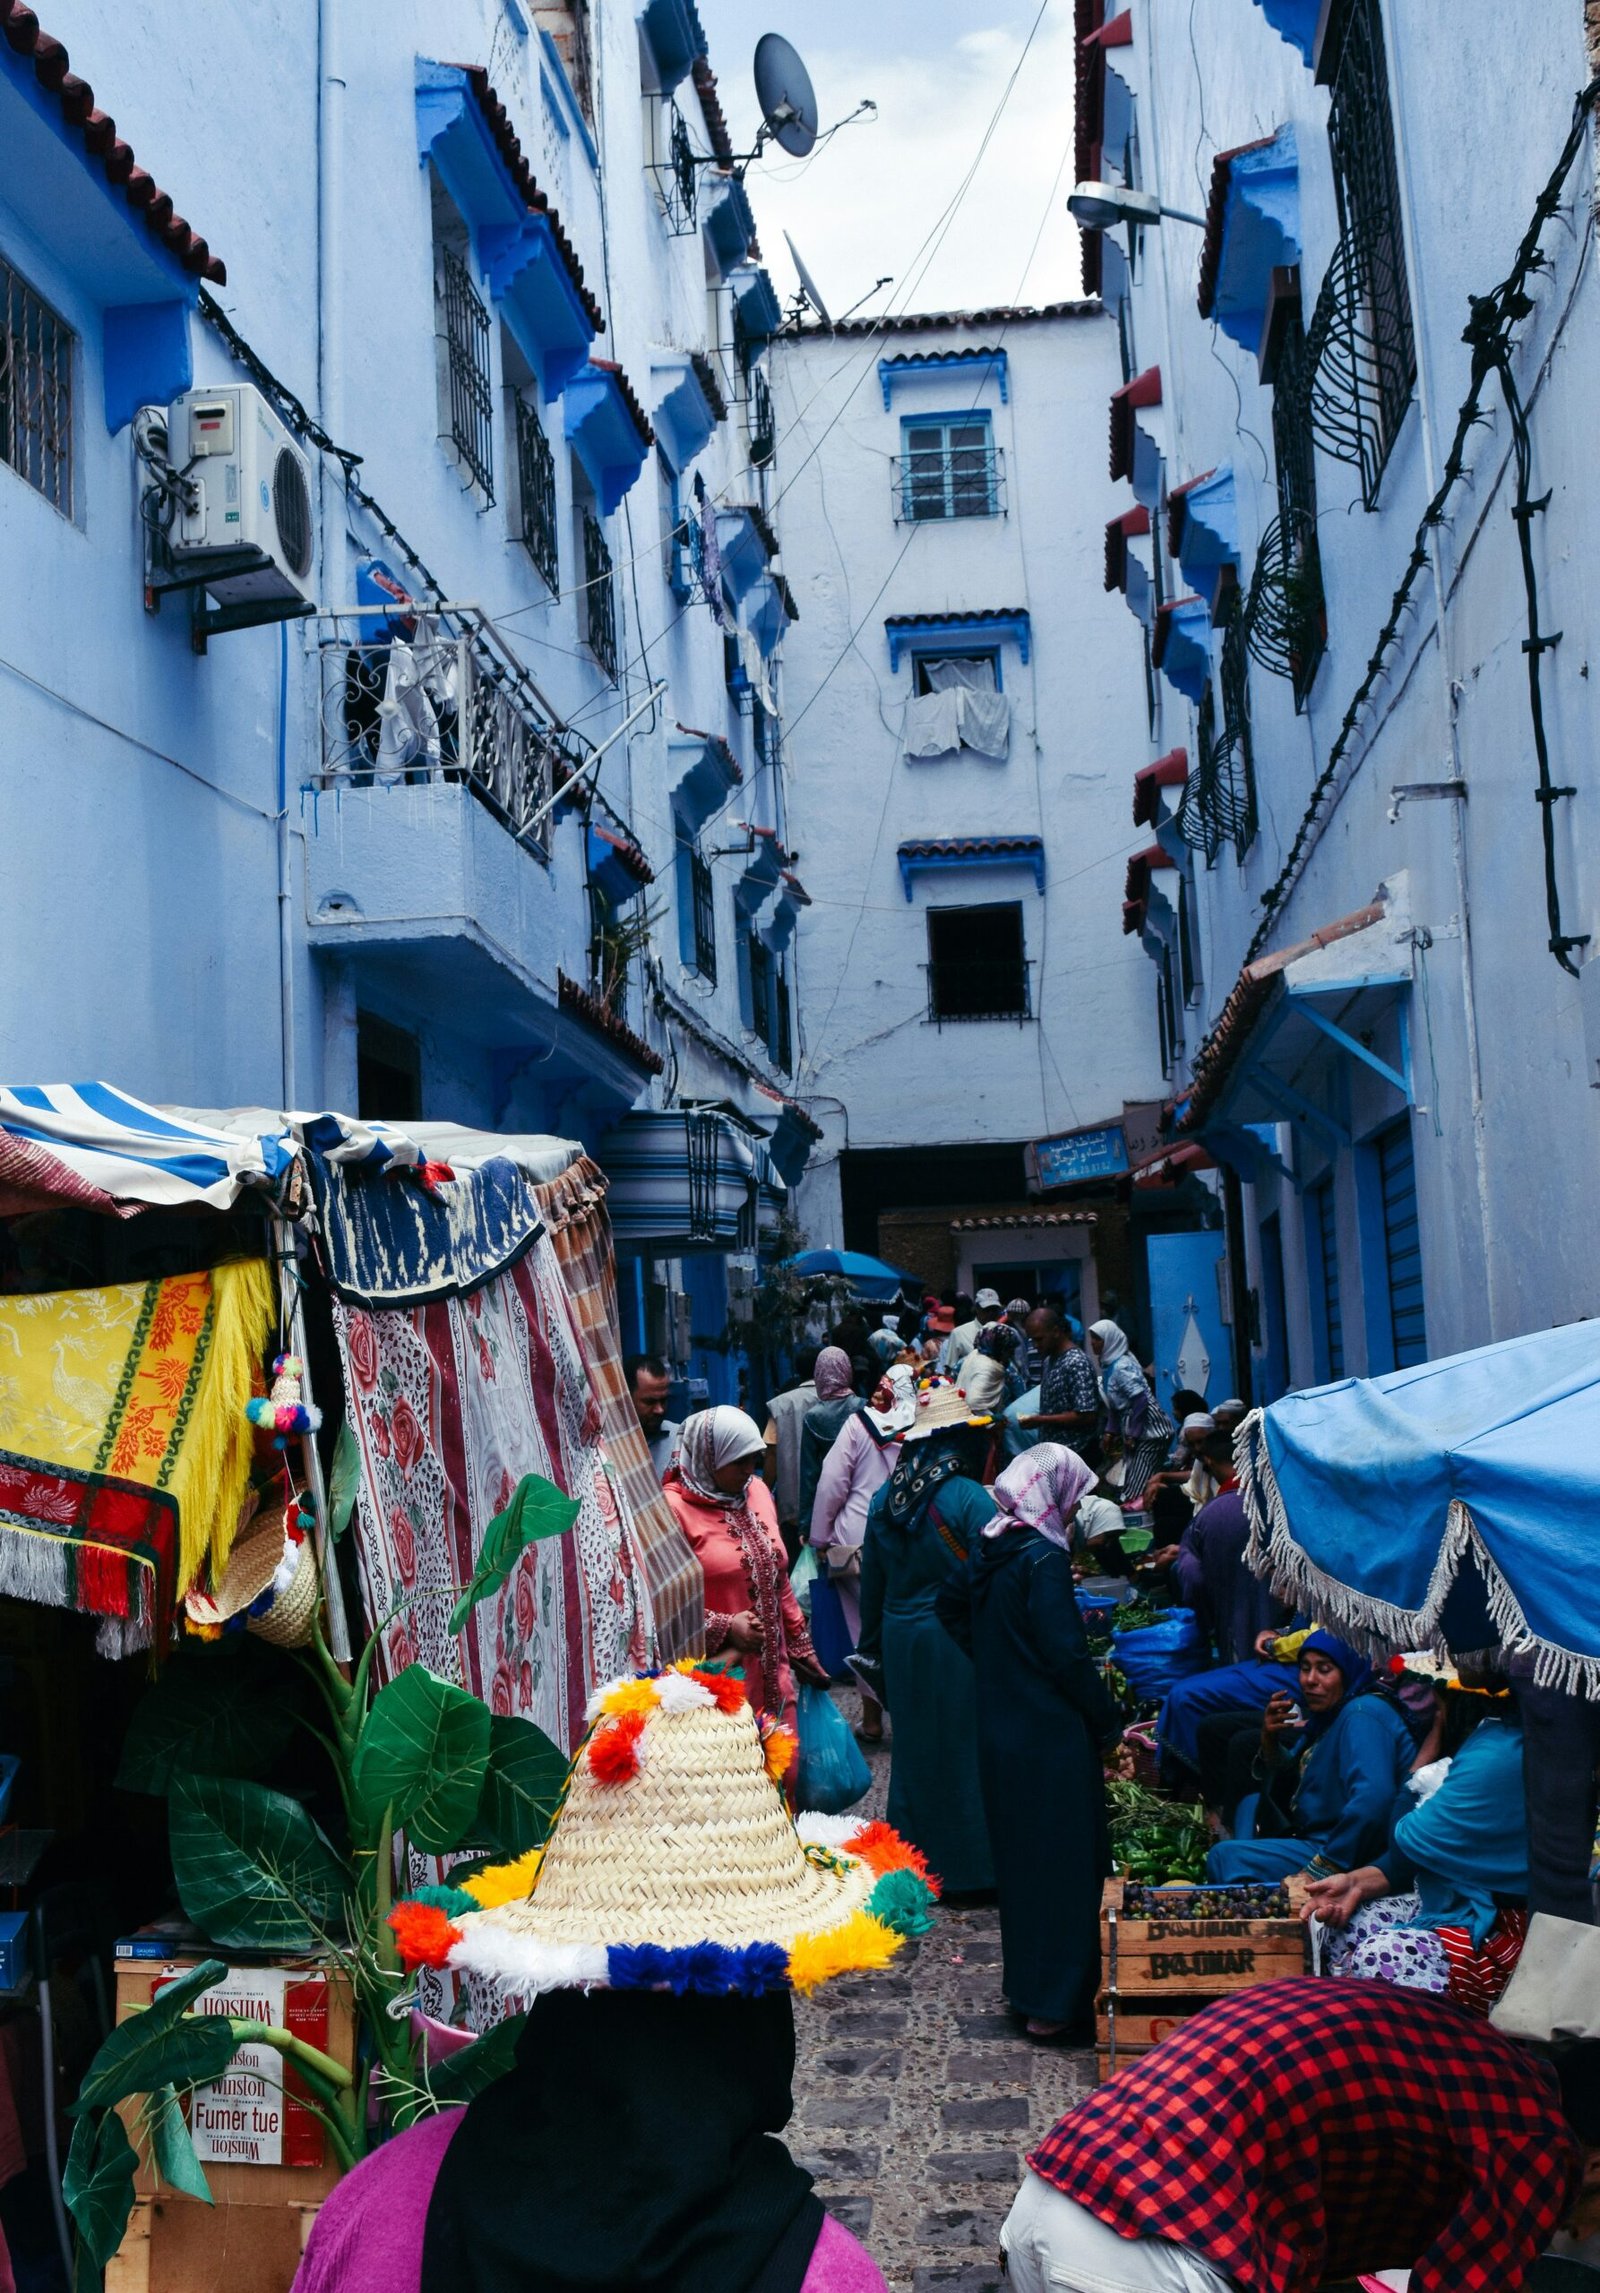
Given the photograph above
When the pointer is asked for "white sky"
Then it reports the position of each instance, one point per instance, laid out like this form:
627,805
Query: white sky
865,204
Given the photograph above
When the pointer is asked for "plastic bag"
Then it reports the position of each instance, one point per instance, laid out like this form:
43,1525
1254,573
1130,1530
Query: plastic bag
833,1772
830,1635
804,1575
1155,1657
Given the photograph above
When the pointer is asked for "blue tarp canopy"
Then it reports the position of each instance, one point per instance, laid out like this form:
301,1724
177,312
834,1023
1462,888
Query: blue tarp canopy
868,1276
1451,1505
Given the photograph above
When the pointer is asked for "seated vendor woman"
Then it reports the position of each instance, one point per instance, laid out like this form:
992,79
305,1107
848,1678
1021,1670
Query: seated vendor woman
1443,1908
1331,1760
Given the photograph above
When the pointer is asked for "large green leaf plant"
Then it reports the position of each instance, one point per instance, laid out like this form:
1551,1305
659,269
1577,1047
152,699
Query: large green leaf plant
421,1762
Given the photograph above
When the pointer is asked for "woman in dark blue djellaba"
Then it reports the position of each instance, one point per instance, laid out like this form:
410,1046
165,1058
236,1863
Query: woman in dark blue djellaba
920,1525
1043,1715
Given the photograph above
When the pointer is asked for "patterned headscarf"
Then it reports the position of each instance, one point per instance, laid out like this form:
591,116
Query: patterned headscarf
900,1409
833,1376
710,1439
1041,1491
922,1465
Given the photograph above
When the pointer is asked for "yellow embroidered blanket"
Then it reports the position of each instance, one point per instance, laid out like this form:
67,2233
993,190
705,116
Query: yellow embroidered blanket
143,1383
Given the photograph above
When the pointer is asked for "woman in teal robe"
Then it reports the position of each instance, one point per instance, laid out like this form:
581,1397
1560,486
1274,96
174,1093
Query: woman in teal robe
920,1526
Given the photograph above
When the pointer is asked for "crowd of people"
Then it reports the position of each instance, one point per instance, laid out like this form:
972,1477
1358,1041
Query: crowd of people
1302,2133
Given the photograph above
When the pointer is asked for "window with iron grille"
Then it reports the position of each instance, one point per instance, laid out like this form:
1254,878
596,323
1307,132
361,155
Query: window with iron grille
758,957
977,967
1287,612
761,418
1233,682
35,391
601,617
1167,1013
1364,350
782,1045
536,491
469,390
703,903
949,469
1219,801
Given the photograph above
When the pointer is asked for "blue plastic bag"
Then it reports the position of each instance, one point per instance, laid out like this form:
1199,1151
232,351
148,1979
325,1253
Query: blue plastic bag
833,1771
1154,1657
830,1635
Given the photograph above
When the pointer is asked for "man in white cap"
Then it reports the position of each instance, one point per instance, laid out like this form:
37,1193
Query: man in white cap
962,1339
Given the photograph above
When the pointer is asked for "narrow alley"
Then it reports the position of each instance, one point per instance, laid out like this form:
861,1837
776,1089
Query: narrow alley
917,2095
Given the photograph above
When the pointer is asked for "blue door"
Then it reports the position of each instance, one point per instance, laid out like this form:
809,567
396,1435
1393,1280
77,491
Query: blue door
1182,1271
1272,1372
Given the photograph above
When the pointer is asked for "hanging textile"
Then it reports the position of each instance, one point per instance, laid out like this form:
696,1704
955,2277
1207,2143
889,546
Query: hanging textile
451,1403
574,1210
127,1450
394,1236
710,567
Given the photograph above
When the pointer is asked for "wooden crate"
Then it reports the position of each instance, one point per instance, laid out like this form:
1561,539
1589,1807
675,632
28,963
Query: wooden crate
251,2239
1160,1971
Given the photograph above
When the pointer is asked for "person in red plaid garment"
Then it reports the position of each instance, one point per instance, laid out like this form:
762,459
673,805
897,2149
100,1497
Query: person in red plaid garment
1304,2132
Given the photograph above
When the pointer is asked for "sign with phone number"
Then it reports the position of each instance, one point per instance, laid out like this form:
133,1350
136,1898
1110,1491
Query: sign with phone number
1077,1155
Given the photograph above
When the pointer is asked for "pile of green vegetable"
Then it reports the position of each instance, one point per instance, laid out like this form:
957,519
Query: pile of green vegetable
1154,1839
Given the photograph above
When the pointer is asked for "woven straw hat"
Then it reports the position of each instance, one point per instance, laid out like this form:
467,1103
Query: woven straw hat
674,1863
252,1562
939,1406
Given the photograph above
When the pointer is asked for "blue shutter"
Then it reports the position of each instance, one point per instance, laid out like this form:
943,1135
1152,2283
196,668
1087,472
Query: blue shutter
1402,1243
1322,1250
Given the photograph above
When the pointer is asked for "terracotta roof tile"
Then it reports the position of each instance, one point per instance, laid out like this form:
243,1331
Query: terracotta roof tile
954,620
993,314
1119,532
510,149
930,847
1169,771
1142,392
706,375
705,85
604,1021
23,35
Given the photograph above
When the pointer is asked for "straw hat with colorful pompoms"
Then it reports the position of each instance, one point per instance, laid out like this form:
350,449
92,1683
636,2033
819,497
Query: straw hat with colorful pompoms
674,1864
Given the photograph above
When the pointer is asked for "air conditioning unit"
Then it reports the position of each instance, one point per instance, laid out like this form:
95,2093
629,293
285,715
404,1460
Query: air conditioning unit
245,527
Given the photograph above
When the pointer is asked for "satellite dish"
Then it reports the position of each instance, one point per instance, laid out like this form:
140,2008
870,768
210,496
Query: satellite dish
808,285
783,90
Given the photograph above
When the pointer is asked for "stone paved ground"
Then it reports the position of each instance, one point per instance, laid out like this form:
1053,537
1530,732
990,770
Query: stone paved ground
916,2095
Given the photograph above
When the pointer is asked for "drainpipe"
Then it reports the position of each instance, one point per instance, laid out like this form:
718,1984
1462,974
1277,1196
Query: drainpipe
330,408
1458,826
285,881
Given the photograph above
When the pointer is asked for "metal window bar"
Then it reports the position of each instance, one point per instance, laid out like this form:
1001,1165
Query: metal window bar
783,1033
600,624
953,479
536,485
482,721
961,989
703,897
1286,616
760,961
760,419
466,334
1237,753
672,169
35,391
1361,338
704,1135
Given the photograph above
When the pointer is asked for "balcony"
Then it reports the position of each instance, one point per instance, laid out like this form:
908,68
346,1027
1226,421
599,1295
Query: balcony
969,482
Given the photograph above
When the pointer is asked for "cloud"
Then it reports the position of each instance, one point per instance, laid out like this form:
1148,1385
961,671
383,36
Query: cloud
871,200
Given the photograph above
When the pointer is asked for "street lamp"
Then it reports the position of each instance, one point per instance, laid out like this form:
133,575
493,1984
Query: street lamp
1102,206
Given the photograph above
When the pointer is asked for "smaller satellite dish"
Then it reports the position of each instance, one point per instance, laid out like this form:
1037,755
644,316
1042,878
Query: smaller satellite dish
783,90
808,285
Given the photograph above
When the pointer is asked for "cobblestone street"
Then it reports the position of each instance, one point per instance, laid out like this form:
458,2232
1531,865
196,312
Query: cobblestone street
916,2095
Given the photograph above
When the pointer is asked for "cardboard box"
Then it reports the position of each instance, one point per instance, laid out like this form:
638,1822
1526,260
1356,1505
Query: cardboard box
1160,1968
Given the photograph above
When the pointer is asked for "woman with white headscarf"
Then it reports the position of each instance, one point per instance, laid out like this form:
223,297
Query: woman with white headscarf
725,1510
1043,1714
854,1470
1139,1425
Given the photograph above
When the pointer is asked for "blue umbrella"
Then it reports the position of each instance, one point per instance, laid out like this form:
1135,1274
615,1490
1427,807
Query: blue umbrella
1450,1505
870,1276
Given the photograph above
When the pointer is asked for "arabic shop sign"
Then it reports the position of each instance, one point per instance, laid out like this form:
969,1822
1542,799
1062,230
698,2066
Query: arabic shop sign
1101,1152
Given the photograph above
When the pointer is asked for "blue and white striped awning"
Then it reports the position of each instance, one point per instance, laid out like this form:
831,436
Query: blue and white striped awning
682,1179
89,1143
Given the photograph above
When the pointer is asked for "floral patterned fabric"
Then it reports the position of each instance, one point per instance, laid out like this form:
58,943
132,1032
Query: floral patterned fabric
1381,1944
451,1404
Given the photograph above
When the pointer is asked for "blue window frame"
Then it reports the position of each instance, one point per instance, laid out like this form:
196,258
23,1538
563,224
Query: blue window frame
948,467
1322,1266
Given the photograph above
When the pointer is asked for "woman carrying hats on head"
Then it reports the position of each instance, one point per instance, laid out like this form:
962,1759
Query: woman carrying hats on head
855,1469
725,1510
635,2144
919,1527
1043,1713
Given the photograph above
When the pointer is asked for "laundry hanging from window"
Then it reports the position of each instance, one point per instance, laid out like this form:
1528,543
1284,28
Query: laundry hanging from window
956,707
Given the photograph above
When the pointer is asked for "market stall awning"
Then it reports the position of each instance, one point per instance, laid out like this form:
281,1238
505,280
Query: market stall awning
91,1144
1451,1505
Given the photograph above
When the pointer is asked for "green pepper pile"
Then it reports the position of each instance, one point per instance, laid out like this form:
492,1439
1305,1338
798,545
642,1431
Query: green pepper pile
1156,1840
